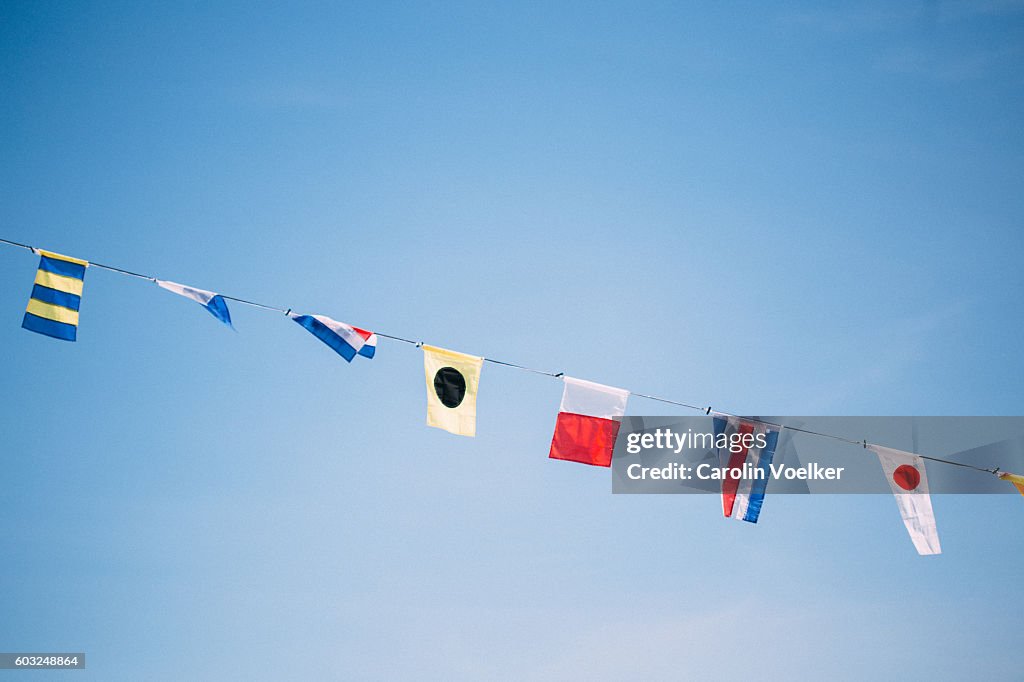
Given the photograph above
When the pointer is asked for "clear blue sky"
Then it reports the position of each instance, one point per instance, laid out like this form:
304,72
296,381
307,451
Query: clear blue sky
773,209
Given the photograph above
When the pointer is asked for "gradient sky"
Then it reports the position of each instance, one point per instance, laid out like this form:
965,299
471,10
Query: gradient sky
772,209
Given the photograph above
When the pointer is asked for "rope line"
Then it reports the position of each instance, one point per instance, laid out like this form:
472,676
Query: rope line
557,375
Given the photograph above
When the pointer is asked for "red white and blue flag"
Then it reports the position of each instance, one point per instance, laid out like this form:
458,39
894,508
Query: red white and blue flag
344,339
745,458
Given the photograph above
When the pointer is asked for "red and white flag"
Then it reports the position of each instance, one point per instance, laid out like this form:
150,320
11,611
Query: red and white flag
587,422
909,482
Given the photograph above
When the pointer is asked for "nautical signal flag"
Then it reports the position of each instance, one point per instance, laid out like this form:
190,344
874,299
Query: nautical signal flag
744,454
1017,481
452,383
344,339
56,296
214,303
588,422
909,482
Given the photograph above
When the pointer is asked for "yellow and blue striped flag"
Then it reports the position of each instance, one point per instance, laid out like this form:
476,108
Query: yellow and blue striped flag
57,294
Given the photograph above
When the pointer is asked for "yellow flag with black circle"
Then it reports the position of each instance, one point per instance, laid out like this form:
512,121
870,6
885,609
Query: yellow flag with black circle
452,382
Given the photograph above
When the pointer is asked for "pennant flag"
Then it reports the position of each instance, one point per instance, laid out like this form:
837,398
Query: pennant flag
745,450
588,423
209,300
909,483
346,340
1017,481
452,383
56,296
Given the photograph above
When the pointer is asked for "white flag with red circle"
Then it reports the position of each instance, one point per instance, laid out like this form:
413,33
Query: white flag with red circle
909,482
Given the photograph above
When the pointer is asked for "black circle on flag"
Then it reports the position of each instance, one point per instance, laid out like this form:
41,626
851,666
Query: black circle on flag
450,386
906,477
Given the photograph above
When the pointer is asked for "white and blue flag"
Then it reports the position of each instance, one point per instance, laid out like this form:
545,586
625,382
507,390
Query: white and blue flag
209,300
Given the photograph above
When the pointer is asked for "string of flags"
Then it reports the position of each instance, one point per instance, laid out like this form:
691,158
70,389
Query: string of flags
588,418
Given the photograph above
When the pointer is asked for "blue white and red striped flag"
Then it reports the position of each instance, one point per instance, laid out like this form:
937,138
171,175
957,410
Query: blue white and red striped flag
748,450
344,339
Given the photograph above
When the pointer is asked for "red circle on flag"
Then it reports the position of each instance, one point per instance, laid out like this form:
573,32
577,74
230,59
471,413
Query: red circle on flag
906,477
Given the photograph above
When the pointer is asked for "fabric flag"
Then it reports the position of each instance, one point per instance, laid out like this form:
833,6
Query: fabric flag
1017,481
588,422
909,483
749,447
56,296
452,383
213,302
346,340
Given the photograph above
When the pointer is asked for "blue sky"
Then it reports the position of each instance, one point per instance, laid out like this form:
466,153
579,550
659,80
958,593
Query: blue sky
772,209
